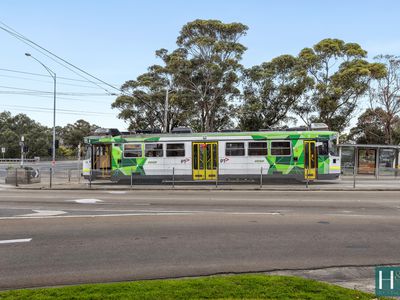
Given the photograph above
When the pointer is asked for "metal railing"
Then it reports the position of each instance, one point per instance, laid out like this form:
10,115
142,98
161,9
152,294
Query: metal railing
259,178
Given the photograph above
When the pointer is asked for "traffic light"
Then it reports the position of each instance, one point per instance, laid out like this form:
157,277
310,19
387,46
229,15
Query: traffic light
57,142
26,149
50,151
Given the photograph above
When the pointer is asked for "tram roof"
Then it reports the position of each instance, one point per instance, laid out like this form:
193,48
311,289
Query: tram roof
255,135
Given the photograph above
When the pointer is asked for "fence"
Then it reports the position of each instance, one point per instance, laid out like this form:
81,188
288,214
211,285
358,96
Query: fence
67,177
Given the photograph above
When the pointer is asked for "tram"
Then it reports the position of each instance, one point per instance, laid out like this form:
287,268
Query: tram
217,156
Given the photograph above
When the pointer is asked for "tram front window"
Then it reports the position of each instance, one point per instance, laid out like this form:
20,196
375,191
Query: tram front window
333,149
88,152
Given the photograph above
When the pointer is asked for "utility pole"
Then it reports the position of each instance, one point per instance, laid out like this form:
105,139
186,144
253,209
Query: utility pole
21,143
166,111
79,161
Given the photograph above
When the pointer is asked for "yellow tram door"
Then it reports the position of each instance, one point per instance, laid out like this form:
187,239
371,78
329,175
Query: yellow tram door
310,160
205,160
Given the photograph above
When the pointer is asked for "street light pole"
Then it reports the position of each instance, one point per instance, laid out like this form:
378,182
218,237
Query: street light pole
54,76
166,111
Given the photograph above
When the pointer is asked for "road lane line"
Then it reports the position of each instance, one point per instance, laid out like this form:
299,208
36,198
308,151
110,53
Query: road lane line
85,201
15,241
140,214
254,213
44,213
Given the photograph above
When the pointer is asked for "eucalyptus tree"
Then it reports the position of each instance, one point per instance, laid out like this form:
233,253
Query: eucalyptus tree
206,65
341,76
270,92
384,93
142,103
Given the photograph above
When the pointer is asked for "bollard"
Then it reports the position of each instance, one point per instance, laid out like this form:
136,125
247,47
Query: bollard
354,178
90,179
307,181
69,175
131,178
261,178
51,177
16,177
216,182
173,177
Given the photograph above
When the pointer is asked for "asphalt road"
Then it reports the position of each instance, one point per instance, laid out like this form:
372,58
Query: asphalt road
69,237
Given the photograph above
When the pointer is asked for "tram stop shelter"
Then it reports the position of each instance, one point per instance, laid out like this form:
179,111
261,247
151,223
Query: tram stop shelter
377,160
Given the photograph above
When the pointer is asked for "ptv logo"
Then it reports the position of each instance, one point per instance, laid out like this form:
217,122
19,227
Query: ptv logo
185,160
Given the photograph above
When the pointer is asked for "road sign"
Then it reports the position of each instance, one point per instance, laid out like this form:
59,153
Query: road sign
36,174
3,150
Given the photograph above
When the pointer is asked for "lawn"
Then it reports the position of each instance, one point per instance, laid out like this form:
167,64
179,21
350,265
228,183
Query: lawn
213,287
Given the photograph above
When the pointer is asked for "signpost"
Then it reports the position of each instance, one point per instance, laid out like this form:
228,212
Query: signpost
3,150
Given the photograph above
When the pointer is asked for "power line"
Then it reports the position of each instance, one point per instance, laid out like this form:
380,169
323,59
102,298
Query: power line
50,112
26,40
35,46
43,75
58,110
44,81
58,93
30,94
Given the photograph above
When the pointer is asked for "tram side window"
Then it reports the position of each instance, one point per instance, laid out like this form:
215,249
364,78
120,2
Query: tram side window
133,150
234,149
280,148
258,148
175,150
153,150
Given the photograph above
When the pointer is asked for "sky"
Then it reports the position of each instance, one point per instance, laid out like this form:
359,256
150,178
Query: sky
116,40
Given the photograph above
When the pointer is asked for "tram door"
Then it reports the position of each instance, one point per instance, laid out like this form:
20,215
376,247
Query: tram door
310,160
205,160
101,160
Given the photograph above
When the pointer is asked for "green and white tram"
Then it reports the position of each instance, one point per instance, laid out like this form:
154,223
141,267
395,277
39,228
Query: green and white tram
213,156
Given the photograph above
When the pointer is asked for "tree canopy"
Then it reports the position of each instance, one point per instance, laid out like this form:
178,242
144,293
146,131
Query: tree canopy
270,92
340,76
384,93
203,76
37,137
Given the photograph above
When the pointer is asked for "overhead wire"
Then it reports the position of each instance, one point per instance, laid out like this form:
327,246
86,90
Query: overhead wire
51,93
48,51
58,109
44,81
21,93
51,112
42,75
37,47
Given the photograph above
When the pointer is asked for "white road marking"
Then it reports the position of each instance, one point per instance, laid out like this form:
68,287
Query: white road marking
116,192
254,213
361,216
141,213
95,216
15,241
44,213
86,201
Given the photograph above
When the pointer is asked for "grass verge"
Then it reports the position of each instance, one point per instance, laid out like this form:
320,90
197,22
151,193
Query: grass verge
213,287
